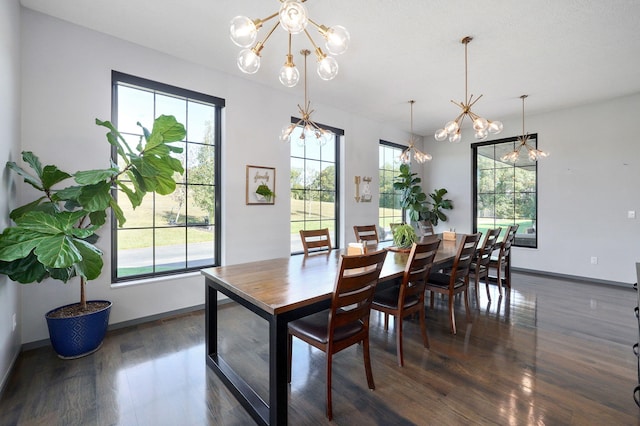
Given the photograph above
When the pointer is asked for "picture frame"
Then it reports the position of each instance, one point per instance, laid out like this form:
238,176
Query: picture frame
261,184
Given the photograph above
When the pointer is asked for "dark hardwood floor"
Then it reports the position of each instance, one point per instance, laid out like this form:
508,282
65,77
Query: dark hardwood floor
552,352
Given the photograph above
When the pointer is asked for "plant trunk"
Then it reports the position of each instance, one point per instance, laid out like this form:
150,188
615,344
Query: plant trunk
83,297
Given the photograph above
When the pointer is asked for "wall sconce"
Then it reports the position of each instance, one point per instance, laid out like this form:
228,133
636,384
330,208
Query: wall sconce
366,189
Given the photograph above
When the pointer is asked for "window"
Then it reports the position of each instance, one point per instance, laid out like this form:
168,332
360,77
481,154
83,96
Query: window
506,193
389,210
177,232
314,186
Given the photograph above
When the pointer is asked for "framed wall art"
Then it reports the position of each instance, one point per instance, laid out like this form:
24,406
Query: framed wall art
261,185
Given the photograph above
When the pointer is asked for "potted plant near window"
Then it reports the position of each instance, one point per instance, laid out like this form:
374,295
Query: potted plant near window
54,236
412,198
434,213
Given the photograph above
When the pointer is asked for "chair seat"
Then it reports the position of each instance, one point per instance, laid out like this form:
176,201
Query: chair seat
316,327
389,299
437,279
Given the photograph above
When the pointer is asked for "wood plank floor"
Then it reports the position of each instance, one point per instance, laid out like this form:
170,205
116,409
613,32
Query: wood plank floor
554,352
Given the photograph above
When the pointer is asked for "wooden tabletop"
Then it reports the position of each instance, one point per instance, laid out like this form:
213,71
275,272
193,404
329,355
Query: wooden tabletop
283,284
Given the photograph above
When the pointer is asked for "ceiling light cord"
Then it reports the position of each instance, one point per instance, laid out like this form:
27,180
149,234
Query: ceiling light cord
418,155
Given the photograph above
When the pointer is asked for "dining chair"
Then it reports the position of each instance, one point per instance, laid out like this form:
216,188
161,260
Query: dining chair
346,322
480,265
502,260
315,240
426,228
457,279
408,298
367,234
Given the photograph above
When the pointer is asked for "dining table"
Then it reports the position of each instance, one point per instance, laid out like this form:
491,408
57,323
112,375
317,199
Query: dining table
282,290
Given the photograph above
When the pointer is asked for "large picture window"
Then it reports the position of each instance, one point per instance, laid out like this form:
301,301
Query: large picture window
506,193
389,210
314,186
177,232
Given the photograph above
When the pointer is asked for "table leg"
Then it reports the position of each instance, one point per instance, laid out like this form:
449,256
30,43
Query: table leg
278,386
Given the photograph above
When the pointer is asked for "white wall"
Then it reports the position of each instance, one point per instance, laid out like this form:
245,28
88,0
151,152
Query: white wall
66,85
9,149
586,187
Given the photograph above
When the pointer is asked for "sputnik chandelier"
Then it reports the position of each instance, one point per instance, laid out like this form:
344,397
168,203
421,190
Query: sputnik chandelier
534,153
310,130
419,156
293,18
481,125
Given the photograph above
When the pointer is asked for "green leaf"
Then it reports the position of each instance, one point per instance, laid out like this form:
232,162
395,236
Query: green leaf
91,265
25,270
52,175
17,243
90,177
71,193
28,178
57,251
117,211
95,197
32,206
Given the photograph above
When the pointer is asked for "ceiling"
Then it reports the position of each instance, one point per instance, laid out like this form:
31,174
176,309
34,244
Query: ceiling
560,52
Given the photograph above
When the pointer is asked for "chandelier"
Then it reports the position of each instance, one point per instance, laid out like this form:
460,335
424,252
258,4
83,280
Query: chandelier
293,18
310,130
420,156
481,125
534,153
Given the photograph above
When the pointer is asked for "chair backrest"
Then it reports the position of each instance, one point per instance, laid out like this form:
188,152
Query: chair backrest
315,240
418,269
368,234
354,287
426,228
507,242
464,257
490,244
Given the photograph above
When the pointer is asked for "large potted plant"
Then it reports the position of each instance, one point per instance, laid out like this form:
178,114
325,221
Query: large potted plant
433,213
411,198
54,236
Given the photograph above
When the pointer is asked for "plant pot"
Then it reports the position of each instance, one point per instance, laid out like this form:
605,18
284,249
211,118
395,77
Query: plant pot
81,335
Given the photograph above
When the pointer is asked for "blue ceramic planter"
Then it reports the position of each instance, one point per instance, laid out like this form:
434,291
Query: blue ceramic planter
78,336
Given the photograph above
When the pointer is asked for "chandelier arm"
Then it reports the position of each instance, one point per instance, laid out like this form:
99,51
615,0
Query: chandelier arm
258,22
260,45
322,29
318,51
474,102
458,104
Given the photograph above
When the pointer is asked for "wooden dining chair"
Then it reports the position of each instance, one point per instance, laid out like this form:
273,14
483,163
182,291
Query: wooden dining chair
315,240
502,261
426,228
367,234
408,298
480,265
346,322
457,279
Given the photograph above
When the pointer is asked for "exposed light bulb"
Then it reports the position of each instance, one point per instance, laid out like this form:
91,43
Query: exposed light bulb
242,31
248,61
337,40
327,68
293,17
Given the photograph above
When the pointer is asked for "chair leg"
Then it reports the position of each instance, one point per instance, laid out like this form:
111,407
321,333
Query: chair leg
329,406
498,277
398,320
466,301
386,321
452,317
432,296
367,362
486,285
423,327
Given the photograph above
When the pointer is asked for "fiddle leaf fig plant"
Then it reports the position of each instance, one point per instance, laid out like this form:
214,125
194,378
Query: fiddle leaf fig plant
54,235
412,198
434,213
